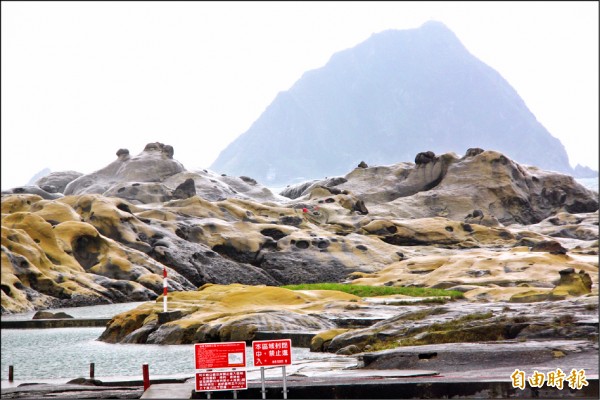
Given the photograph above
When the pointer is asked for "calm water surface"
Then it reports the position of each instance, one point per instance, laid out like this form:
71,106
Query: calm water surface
60,354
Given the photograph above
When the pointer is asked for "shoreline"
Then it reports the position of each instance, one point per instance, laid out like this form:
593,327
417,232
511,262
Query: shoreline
413,385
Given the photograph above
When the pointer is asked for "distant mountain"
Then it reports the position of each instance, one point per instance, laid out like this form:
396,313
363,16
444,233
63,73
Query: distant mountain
398,93
39,175
584,172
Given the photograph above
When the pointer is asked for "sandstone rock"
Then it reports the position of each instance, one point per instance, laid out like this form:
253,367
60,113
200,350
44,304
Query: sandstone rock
349,350
425,157
396,225
572,284
320,342
225,313
453,187
33,190
494,274
185,190
56,182
474,151
154,164
460,322
549,246
580,226
50,315
52,260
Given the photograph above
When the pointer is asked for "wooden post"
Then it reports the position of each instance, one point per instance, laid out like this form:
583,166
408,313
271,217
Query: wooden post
146,375
11,373
92,366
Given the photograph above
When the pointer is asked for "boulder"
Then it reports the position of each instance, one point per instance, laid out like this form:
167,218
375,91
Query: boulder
56,182
572,284
50,315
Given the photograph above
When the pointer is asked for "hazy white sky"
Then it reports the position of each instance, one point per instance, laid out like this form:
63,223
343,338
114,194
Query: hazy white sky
81,80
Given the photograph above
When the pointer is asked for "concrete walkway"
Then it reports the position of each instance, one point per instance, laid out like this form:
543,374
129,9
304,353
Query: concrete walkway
274,385
169,391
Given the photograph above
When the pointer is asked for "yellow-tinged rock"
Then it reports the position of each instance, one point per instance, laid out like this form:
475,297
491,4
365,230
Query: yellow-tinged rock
572,284
68,232
321,339
54,211
530,296
19,203
480,267
234,311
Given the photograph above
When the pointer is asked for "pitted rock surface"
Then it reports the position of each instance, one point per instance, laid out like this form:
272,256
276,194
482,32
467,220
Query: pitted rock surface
452,222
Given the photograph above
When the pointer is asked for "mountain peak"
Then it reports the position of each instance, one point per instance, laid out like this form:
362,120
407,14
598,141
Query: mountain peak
396,94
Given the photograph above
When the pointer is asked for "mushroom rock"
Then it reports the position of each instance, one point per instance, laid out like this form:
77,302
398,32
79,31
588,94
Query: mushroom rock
154,164
424,157
473,151
572,284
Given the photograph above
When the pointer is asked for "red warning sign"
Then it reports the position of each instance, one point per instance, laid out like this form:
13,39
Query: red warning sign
272,352
220,355
221,380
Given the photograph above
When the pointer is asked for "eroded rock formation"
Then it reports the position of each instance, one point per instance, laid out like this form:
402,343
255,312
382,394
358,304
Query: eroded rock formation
482,224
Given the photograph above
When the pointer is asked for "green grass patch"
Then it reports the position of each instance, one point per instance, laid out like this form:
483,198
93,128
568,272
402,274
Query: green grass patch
374,291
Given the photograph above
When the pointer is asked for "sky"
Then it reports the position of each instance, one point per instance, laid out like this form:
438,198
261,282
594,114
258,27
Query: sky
81,80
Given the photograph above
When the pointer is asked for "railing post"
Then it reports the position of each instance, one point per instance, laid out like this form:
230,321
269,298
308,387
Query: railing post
146,376
11,373
165,290
92,365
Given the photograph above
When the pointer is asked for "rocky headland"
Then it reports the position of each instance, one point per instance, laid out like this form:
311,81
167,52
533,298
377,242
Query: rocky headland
520,244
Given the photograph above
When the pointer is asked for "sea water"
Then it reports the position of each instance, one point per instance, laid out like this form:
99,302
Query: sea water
57,355
61,354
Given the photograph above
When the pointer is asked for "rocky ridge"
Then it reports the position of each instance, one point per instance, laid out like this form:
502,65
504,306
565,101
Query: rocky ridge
482,224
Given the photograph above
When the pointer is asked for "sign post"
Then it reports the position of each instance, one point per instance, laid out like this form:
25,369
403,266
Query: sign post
272,353
220,366
262,381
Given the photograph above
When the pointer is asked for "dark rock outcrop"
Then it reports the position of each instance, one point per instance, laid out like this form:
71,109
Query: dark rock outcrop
186,190
50,315
425,157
